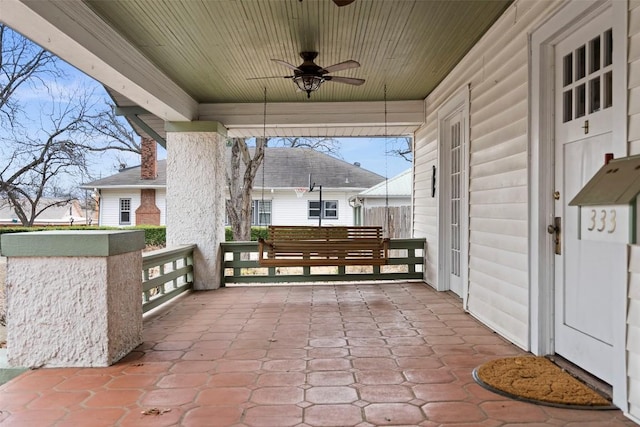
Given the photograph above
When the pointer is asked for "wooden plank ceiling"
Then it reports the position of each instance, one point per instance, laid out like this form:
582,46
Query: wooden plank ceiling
212,48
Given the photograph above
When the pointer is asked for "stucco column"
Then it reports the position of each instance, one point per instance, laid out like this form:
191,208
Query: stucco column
196,194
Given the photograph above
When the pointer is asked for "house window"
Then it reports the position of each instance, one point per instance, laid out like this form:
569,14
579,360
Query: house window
125,211
261,212
329,211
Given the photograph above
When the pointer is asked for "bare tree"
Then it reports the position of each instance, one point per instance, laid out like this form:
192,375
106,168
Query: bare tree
329,146
22,63
113,133
239,205
35,163
46,148
401,147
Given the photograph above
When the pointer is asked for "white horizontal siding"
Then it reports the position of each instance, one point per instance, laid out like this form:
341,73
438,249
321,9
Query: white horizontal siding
633,332
110,206
287,209
633,120
497,71
634,78
425,217
161,203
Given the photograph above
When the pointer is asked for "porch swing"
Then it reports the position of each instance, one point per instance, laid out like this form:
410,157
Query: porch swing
306,246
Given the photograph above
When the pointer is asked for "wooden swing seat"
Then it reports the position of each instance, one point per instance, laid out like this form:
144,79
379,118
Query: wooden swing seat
302,246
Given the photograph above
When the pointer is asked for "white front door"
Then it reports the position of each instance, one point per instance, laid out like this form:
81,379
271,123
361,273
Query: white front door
584,269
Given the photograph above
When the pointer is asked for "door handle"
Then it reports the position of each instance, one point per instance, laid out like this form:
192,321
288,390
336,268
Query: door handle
555,230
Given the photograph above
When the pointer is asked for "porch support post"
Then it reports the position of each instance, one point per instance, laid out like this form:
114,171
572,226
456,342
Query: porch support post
196,194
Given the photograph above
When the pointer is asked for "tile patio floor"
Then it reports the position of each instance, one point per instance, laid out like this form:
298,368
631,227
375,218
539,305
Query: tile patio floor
325,355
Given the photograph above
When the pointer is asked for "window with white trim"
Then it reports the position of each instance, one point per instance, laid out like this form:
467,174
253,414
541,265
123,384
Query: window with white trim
329,211
125,211
261,212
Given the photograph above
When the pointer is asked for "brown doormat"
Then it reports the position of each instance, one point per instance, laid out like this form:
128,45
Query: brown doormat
538,380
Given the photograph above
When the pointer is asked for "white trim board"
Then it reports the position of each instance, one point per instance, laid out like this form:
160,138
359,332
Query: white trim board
458,102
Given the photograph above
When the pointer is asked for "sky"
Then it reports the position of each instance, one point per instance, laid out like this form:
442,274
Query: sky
370,153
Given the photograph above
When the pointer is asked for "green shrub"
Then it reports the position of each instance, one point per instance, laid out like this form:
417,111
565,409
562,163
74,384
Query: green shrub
256,232
153,235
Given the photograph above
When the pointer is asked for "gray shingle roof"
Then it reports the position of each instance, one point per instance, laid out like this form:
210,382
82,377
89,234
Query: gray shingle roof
284,167
130,177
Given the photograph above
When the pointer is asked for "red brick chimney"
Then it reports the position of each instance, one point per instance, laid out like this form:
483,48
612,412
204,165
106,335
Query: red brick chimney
148,213
148,159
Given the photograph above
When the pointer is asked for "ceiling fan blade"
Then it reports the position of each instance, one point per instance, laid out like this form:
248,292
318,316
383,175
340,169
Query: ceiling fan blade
286,64
347,80
341,66
341,3
270,77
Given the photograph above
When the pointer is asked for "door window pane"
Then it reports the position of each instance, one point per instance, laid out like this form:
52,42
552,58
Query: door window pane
594,95
594,55
580,100
567,70
607,95
567,106
608,48
581,65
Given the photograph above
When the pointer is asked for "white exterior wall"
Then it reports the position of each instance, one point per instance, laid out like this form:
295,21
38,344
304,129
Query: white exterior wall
161,203
110,206
633,311
633,334
287,209
497,71
633,78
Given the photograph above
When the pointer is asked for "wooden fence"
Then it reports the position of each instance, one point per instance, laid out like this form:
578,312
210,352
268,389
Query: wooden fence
399,222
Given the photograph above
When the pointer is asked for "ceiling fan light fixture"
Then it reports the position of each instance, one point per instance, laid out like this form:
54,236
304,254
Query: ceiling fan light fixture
308,83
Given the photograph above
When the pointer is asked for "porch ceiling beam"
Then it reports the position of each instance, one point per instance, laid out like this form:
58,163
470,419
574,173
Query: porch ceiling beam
316,114
132,114
76,34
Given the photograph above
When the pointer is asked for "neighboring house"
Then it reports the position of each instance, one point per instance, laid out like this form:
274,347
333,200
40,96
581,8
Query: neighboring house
286,169
386,202
61,213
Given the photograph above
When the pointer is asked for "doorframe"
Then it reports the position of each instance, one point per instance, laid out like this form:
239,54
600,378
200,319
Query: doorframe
541,160
458,102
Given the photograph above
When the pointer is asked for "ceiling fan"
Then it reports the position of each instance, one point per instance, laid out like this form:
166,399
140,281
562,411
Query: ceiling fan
341,3
308,76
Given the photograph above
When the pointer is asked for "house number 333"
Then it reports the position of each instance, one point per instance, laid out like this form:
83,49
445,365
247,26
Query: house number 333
601,220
